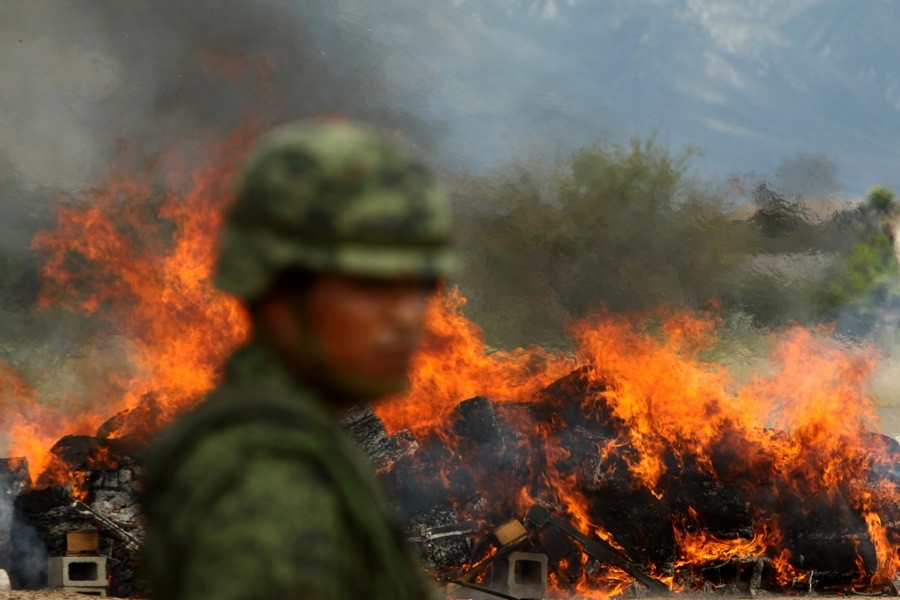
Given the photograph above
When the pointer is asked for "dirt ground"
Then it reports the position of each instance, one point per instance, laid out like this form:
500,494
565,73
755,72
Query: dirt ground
43,595
48,595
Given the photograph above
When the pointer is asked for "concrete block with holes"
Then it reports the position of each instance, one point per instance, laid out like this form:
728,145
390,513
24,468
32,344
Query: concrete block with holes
527,574
82,572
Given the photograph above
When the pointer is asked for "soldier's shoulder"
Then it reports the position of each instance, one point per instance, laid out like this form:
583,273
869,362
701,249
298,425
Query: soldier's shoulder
228,429
230,489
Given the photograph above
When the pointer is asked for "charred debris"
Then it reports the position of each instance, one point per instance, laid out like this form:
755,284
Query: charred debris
488,520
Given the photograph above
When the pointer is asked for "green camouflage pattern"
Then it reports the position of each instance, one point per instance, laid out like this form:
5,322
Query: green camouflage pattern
257,494
338,198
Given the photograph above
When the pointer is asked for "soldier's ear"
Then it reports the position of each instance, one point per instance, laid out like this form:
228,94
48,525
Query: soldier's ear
277,320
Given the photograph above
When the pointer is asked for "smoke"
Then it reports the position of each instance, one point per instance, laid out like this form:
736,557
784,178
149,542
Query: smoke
29,554
81,79
807,175
81,85
14,479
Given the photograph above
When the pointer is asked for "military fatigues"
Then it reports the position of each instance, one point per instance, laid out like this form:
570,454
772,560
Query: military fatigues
257,494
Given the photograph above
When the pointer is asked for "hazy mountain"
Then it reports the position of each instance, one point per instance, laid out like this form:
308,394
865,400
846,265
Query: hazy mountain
751,82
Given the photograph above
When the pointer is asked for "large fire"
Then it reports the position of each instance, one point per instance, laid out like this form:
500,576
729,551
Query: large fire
800,432
139,254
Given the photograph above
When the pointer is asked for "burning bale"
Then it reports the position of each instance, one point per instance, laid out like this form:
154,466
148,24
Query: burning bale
368,431
723,521
652,450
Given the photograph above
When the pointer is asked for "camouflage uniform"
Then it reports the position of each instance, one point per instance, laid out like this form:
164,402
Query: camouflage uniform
257,493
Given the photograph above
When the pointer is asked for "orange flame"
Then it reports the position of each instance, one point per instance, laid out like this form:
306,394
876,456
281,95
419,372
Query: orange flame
649,372
140,256
455,365
888,555
699,547
785,573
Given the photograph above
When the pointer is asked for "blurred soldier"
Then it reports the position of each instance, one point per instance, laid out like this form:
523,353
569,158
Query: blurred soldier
336,242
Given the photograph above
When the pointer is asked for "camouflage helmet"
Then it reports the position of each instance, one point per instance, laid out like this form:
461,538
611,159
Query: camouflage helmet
338,198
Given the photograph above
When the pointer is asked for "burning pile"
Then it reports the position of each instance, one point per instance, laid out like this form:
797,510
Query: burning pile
634,441
661,454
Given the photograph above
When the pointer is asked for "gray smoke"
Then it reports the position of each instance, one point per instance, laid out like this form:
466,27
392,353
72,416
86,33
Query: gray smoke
81,78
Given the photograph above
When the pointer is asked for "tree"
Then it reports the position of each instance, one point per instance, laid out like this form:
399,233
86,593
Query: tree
880,200
863,287
776,215
613,226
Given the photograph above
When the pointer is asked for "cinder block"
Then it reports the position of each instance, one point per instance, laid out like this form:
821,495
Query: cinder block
76,571
527,575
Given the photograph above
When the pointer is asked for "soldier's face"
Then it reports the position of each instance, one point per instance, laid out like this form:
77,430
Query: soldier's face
371,327
356,334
